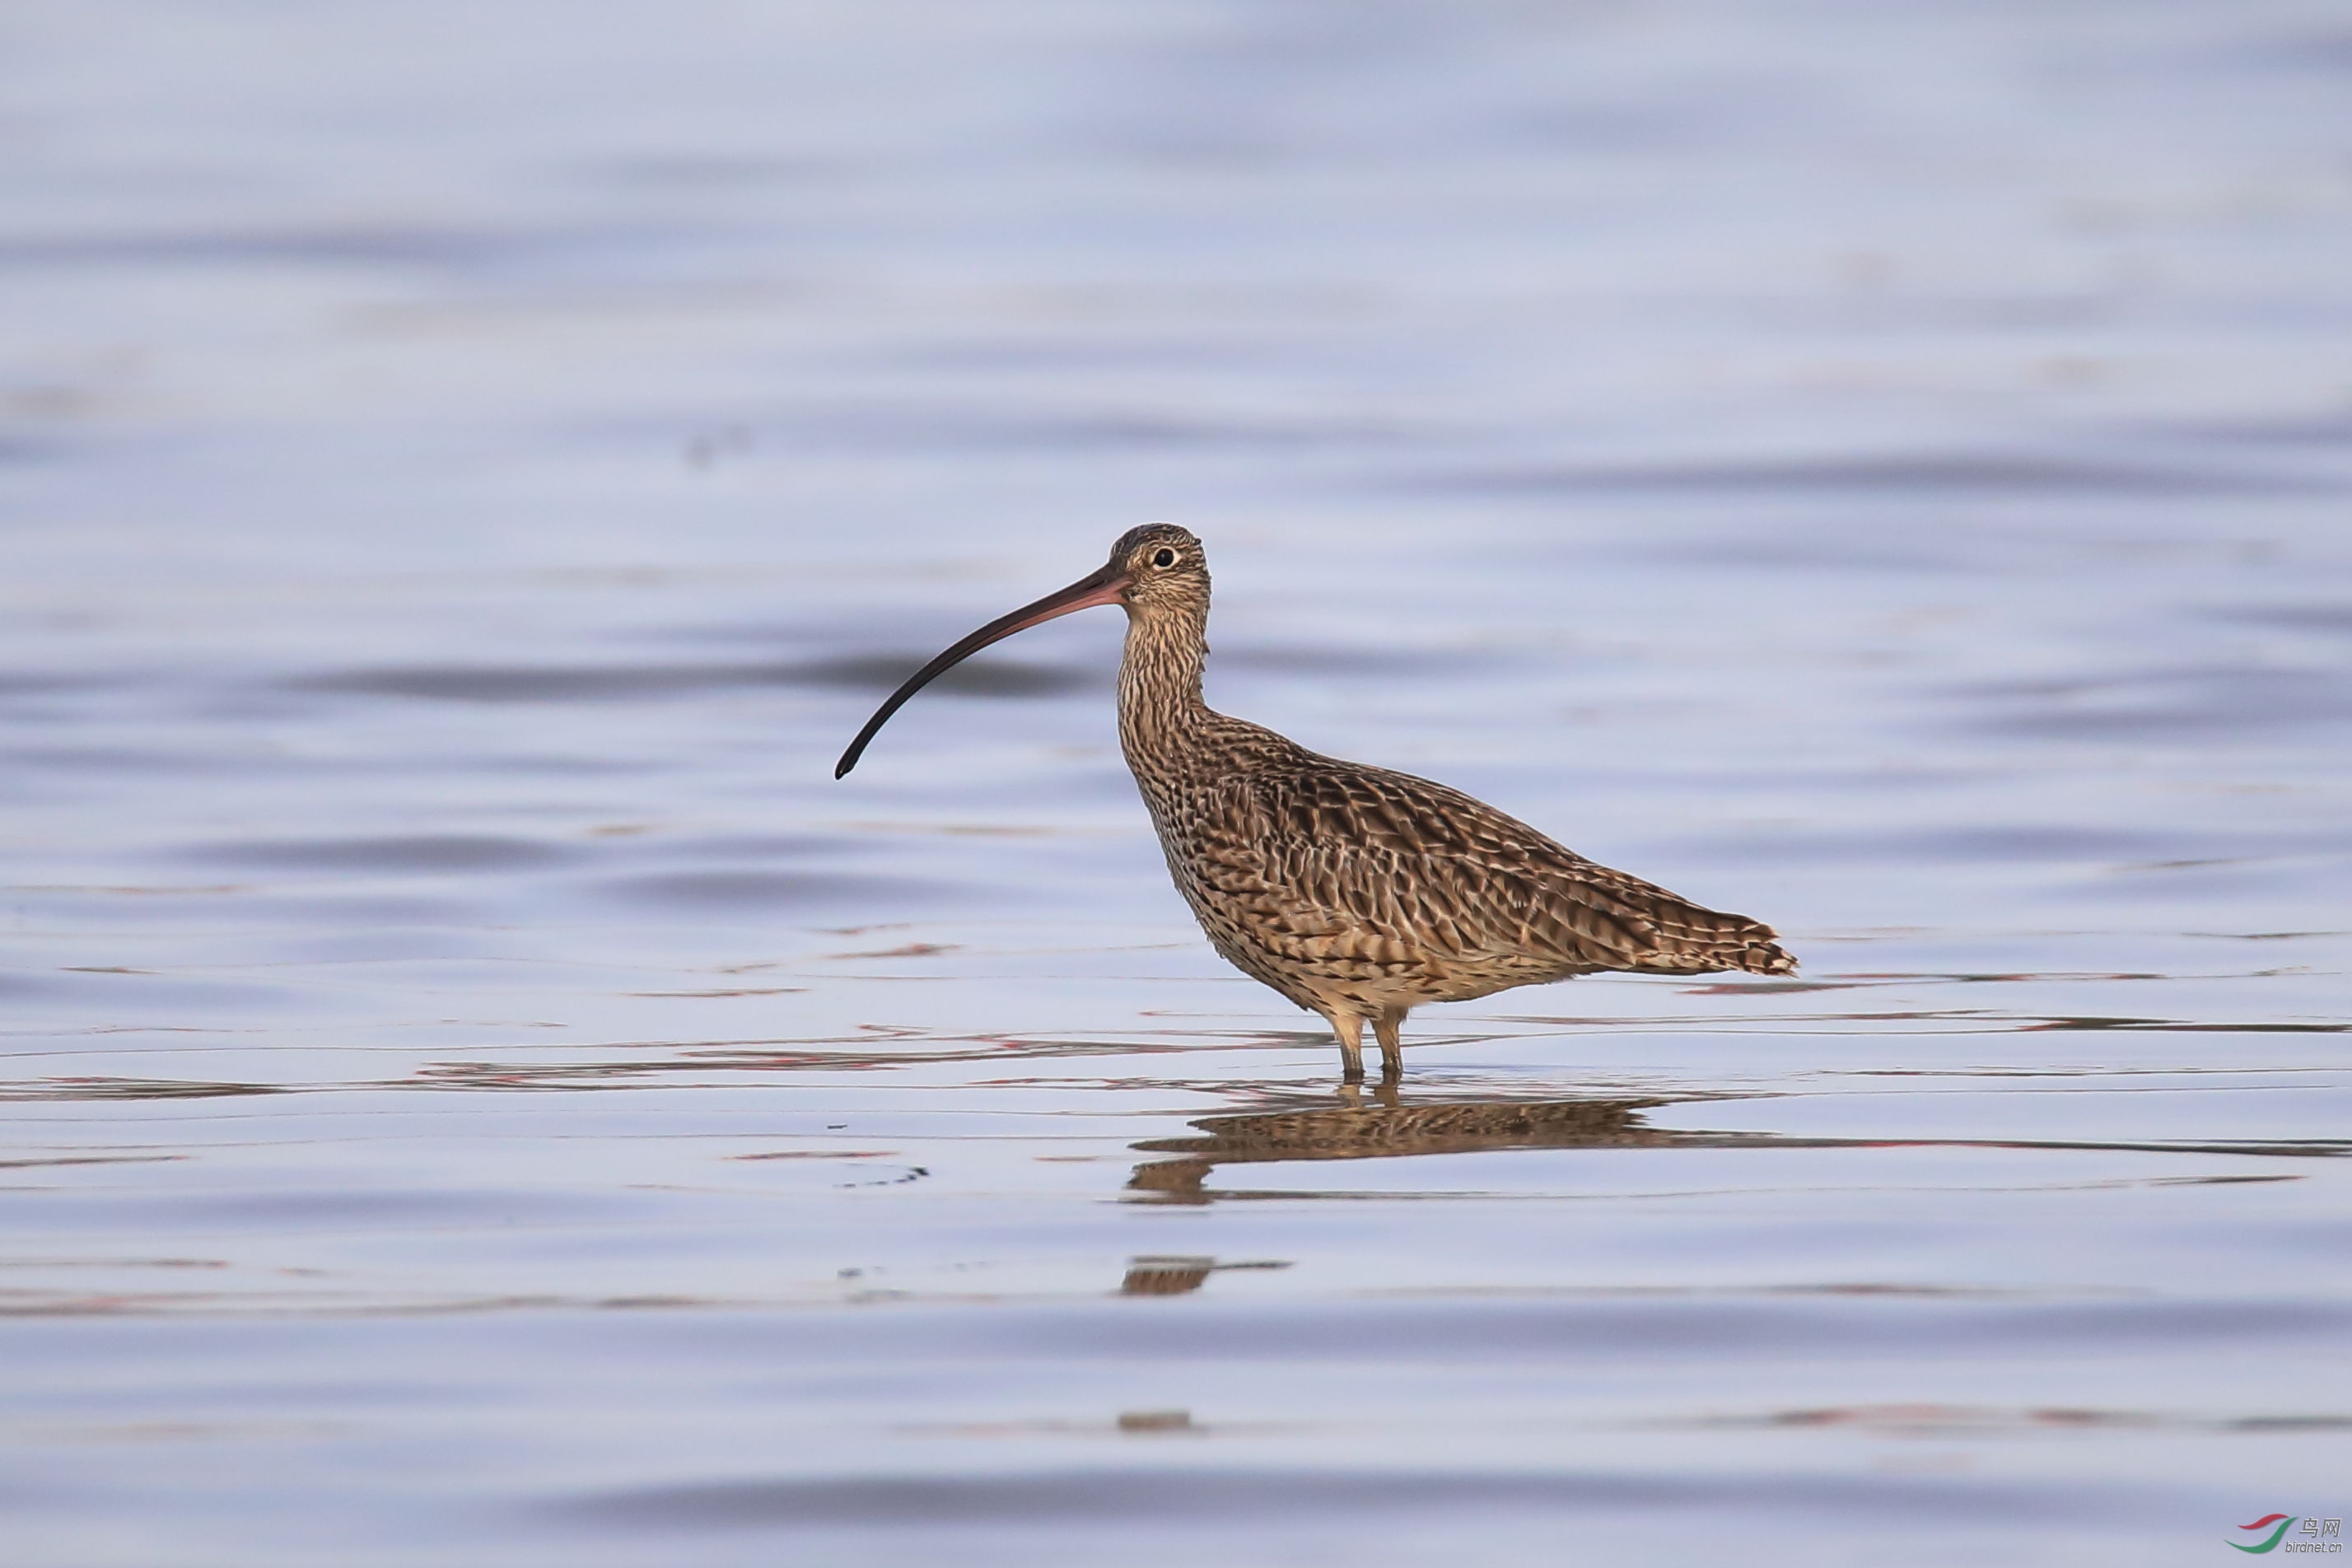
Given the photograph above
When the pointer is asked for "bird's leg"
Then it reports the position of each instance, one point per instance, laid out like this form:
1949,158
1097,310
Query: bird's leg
1350,1030
1385,1029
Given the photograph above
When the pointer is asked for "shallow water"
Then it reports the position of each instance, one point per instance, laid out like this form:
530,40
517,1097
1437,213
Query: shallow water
478,1087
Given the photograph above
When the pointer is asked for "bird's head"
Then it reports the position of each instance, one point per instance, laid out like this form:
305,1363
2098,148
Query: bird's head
1156,569
1161,566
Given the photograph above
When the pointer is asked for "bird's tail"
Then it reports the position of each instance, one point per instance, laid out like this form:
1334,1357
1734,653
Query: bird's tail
1666,933
1707,942
1760,954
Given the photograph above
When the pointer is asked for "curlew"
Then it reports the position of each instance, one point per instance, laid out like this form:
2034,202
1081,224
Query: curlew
1356,892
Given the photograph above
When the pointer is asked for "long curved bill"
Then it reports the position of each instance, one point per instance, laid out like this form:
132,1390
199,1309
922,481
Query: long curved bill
1101,587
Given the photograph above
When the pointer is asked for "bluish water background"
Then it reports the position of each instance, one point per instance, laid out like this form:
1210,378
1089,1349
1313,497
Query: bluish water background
478,1089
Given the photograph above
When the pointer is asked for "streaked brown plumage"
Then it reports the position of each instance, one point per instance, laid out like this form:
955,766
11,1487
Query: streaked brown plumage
1356,892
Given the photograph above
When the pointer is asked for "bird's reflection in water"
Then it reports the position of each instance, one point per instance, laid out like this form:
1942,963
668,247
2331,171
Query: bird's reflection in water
1166,1275
1180,1276
1387,1127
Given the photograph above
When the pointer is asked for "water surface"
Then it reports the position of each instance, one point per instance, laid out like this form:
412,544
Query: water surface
477,1086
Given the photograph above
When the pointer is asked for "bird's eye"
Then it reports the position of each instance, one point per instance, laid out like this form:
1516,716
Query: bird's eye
1163,558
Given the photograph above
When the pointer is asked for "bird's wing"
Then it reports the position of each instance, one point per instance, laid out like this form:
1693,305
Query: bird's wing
1337,852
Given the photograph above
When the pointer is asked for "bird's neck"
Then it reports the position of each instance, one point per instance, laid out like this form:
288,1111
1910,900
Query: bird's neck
1159,683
